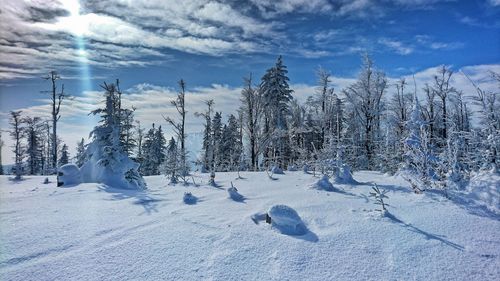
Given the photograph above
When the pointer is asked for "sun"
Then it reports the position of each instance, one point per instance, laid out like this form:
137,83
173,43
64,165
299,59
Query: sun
75,23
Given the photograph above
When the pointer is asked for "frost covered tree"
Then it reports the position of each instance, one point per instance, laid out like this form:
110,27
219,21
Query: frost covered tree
139,138
365,98
442,88
56,99
252,109
420,158
216,141
153,148
80,157
276,95
17,148
208,149
64,159
108,162
171,166
180,126
33,131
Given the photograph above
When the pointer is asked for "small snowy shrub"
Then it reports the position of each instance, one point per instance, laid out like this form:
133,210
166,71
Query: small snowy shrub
277,170
189,198
233,194
379,196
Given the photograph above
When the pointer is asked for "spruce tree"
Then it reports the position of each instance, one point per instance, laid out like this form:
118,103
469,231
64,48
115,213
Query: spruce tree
80,157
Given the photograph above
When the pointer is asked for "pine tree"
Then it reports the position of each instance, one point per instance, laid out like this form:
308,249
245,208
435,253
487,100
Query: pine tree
276,94
208,149
80,157
64,159
108,163
172,166
33,133
216,141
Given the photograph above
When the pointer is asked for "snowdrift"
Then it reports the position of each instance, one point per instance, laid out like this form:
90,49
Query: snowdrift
69,174
323,184
286,220
484,190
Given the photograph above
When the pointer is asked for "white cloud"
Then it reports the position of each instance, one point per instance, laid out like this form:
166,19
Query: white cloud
396,46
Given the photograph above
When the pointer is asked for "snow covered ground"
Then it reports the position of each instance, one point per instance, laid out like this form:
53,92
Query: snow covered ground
93,232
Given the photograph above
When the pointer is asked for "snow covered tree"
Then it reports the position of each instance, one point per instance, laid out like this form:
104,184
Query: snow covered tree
33,130
365,98
420,159
108,162
80,157
216,141
139,138
172,167
276,95
64,159
17,148
56,100
489,105
252,110
180,126
154,151
208,149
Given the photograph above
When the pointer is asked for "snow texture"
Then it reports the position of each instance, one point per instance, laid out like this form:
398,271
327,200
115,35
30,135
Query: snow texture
95,232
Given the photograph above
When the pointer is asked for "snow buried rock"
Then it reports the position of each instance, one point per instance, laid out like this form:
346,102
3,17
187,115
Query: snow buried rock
189,198
286,220
324,184
69,174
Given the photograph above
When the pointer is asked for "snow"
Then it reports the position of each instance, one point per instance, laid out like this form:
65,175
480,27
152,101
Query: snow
324,184
69,174
235,195
286,220
484,190
96,232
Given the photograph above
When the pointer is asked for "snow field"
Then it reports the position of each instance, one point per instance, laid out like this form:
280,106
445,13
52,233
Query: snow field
94,232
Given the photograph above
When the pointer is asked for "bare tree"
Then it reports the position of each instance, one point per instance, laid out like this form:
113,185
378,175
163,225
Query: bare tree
207,136
179,126
17,147
56,100
443,89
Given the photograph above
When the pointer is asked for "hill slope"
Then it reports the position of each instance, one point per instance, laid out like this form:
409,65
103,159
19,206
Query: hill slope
93,232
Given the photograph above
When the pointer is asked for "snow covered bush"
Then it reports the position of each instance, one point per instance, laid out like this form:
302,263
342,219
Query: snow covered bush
277,170
323,184
189,198
107,162
286,220
420,164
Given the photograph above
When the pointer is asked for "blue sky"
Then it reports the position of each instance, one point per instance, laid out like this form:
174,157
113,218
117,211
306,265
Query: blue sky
150,44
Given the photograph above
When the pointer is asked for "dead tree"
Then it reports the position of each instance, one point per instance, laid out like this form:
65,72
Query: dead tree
56,100
179,126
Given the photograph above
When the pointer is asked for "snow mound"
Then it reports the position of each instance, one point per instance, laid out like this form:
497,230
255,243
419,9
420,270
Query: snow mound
286,220
484,189
292,168
235,195
344,175
69,174
324,184
277,170
189,198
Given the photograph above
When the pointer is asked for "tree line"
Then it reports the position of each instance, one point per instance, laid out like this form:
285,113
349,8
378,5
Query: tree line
431,140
